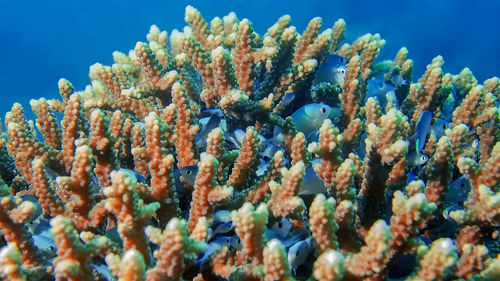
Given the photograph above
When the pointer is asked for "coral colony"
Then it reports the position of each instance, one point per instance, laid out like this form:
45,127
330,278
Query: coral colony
221,154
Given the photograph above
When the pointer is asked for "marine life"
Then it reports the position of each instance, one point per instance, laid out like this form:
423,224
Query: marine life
458,191
312,184
213,247
212,123
333,71
288,99
176,163
297,254
422,130
103,270
311,116
234,138
222,216
189,174
282,228
451,208
398,80
413,159
382,90
44,241
223,228
138,177
438,128
236,242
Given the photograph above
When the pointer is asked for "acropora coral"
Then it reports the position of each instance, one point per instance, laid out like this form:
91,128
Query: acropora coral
183,161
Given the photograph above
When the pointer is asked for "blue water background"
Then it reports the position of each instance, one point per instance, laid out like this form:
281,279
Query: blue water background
42,41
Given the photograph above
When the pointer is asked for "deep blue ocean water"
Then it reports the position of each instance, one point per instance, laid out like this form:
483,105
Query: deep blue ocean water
42,41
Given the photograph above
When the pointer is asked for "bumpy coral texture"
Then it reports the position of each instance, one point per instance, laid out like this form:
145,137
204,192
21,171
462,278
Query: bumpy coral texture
183,161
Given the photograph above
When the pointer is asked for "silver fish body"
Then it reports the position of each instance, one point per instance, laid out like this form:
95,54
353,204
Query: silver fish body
422,130
310,117
333,71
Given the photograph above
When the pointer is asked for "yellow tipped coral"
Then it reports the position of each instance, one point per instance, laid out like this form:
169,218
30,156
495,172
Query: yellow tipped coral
186,160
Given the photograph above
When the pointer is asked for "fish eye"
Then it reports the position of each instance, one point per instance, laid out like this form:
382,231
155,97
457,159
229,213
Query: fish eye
462,185
323,110
266,158
423,158
280,225
51,248
342,71
188,172
444,126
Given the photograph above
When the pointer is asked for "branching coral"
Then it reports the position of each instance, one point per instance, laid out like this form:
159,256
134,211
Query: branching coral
187,159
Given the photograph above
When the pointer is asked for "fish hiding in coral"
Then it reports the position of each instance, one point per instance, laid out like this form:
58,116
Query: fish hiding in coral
333,71
217,153
310,117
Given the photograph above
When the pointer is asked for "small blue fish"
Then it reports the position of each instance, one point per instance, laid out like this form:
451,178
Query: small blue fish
214,247
288,241
414,160
103,271
333,71
234,138
411,177
451,208
189,174
223,241
133,174
458,190
313,136
236,242
379,88
44,241
261,170
210,234
438,128
312,184
422,130
269,151
398,80
297,254
212,111
39,225
223,228
212,123
222,216
282,228
287,100
271,145
310,117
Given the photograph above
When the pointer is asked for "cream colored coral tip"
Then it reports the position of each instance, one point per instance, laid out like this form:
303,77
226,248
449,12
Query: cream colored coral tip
333,257
444,244
273,244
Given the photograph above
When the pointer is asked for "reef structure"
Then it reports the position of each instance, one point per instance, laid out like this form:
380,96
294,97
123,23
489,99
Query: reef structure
218,154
